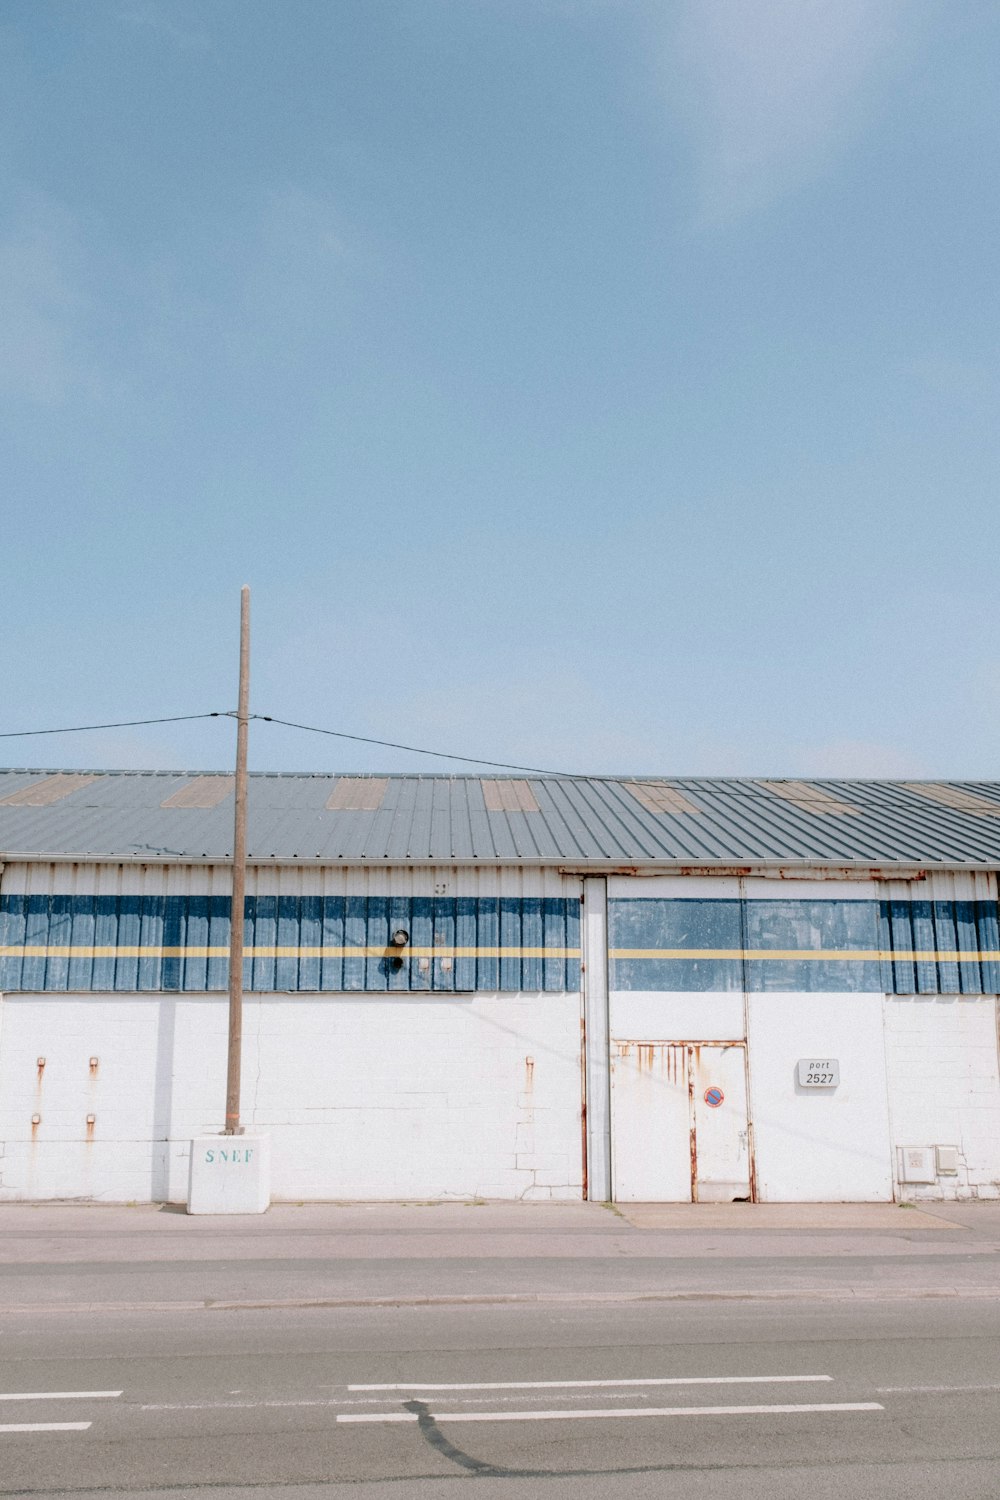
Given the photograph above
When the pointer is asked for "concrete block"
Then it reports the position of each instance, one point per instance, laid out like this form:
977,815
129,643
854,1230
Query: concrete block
229,1174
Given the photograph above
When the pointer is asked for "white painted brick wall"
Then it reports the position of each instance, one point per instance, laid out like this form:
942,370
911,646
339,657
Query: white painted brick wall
944,1086
429,1096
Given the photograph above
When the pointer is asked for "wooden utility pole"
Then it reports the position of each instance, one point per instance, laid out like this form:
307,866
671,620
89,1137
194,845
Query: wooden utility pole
233,1126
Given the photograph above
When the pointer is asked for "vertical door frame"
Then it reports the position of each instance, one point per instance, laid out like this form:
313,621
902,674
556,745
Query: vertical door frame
596,1040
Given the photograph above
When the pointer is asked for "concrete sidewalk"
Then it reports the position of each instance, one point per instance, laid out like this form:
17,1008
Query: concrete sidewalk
76,1257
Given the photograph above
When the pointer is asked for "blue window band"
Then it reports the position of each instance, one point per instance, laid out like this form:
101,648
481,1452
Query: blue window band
899,947
292,943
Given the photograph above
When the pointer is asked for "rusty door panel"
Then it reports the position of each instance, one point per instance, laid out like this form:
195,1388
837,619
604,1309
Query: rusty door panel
720,1128
649,1123
669,1144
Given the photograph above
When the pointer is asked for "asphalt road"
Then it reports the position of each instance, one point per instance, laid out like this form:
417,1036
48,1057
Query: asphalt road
750,1399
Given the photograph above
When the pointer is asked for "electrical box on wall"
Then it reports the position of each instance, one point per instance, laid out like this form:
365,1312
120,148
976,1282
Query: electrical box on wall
917,1164
947,1161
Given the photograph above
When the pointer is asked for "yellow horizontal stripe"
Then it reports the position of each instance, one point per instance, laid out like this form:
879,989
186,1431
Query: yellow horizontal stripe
859,955
271,951
856,955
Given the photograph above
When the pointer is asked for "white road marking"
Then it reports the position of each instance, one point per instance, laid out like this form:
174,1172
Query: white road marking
229,1405
929,1390
44,1426
328,1401
564,1385
58,1395
639,1411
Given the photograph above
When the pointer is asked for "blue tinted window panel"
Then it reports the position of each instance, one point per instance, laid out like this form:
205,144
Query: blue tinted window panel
776,975
532,936
988,930
443,977
885,947
655,922
84,926
60,935
151,928
924,941
898,916
488,924
421,936
466,936
171,971
195,960
377,965
969,975
677,974
265,936
127,964
311,936
13,916
573,921
105,937
37,928
554,938
217,969
332,963
37,934
819,926
658,929
355,937
289,935
946,941
510,944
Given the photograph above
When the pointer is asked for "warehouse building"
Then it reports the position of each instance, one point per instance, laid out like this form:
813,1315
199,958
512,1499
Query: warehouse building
630,989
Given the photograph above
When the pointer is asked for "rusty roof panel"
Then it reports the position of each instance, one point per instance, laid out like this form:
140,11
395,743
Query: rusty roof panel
657,796
50,789
955,796
203,791
357,794
509,796
810,798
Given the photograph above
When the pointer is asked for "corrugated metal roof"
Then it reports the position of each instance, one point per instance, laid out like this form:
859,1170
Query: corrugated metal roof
604,822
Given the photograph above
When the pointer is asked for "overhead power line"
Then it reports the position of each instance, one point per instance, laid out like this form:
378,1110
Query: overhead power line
855,792
22,734
340,734
472,760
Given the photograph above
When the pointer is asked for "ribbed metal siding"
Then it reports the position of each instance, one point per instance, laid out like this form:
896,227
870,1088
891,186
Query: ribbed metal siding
294,943
920,935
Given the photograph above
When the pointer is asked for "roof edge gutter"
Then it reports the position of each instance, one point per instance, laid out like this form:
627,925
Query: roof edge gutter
768,869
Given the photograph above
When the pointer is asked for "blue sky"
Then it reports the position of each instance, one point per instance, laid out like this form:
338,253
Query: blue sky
603,386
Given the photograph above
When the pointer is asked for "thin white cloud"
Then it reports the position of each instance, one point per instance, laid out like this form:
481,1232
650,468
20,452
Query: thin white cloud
773,89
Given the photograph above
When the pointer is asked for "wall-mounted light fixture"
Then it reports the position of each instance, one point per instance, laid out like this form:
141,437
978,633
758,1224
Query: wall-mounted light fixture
398,942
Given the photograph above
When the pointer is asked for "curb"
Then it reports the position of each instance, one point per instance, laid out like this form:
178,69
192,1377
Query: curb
508,1299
